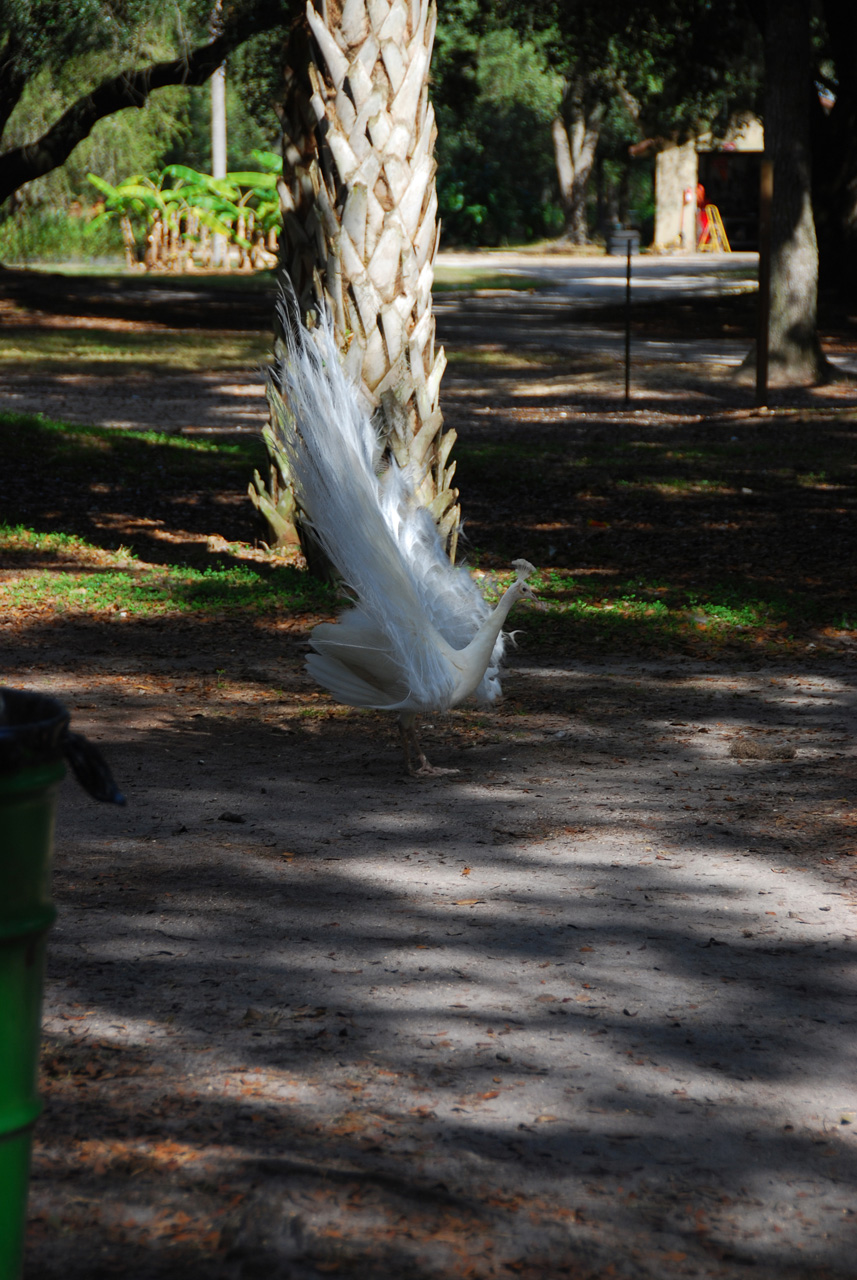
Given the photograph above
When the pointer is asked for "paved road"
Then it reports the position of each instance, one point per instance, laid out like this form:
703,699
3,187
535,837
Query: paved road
600,280
542,320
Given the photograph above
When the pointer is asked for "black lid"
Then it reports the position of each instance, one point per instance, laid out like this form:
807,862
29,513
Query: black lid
34,730
31,730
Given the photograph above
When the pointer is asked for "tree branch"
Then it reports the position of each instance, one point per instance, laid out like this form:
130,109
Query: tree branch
11,81
128,89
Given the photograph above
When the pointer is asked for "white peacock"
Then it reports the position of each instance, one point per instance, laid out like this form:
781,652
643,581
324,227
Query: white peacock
419,637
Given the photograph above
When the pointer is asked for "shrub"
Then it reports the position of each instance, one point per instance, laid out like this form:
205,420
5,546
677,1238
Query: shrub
51,235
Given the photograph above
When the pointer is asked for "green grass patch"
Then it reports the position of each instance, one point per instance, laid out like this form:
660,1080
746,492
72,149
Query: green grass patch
201,282
104,582
448,278
616,613
676,484
716,466
667,537
57,350
56,544
173,589
164,495
490,358
71,453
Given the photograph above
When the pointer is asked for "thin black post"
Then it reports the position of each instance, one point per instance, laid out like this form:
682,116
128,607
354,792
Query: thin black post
763,314
628,324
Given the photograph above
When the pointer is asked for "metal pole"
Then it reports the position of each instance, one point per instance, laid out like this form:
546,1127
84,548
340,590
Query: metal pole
628,324
763,315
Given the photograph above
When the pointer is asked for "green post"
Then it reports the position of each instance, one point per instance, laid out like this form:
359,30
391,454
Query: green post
34,739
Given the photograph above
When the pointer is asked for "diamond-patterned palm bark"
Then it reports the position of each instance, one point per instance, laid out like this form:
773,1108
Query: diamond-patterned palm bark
360,218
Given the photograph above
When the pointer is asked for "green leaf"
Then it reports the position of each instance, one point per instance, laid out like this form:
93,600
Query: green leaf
262,181
189,175
101,184
269,160
214,224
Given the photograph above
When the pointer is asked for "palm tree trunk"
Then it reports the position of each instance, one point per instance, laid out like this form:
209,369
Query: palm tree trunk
360,226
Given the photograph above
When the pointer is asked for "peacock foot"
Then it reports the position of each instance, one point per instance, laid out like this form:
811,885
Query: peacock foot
427,770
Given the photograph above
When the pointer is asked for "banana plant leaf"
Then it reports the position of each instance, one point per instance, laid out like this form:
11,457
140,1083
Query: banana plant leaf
268,160
258,181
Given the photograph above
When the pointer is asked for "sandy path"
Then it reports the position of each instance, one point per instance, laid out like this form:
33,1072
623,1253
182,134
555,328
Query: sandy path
587,1002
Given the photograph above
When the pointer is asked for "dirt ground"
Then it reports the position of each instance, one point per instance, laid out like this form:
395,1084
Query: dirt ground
583,1009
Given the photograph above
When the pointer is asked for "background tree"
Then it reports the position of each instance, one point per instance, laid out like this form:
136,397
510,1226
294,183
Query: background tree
103,59
584,49
665,71
253,92
495,95
834,145
795,355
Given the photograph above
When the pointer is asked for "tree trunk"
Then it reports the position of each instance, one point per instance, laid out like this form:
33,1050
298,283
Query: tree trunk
835,151
575,139
795,355
360,224
301,248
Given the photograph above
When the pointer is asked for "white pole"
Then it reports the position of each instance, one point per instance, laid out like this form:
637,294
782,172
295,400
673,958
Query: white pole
218,148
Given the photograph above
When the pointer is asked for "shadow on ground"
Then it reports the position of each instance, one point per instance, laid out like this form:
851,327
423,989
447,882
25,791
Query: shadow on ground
584,1005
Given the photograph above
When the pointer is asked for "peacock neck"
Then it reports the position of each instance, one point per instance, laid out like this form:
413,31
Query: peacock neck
473,661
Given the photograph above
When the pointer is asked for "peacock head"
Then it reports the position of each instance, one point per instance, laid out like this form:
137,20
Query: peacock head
523,569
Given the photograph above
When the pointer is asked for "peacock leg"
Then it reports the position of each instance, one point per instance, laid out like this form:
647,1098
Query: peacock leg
413,750
410,745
